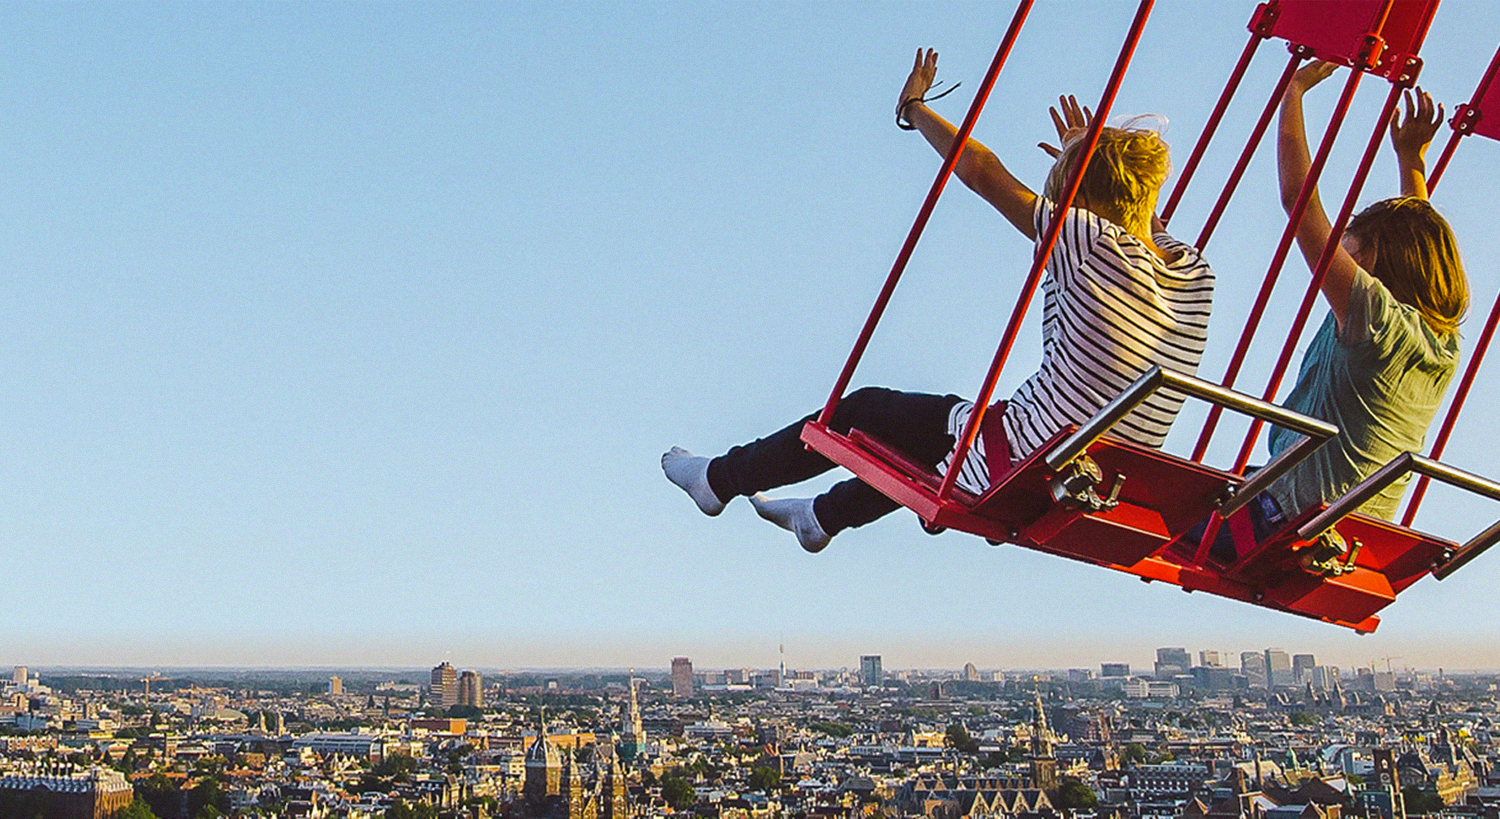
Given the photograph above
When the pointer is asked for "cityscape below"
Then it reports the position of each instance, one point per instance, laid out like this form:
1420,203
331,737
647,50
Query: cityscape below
1264,734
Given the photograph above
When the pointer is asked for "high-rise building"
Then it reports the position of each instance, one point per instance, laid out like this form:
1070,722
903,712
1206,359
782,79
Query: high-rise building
682,677
1210,659
444,689
471,689
1114,669
1302,666
19,675
335,686
1171,662
869,670
1253,666
1278,668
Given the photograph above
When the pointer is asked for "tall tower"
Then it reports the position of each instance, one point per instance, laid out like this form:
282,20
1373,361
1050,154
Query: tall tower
870,672
471,689
1043,763
682,677
444,685
632,735
615,805
543,769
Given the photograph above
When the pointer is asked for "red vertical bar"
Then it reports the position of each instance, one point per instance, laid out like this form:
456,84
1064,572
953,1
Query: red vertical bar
1278,260
1211,127
1320,270
949,163
1044,249
1251,145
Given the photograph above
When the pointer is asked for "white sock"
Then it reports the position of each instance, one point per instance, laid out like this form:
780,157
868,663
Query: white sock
690,473
796,516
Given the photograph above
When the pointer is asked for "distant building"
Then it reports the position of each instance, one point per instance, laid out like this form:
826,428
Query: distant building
19,675
1253,666
369,747
632,734
971,673
1302,668
1209,659
1114,669
682,677
1278,668
444,686
98,793
471,689
557,787
335,686
869,670
1170,662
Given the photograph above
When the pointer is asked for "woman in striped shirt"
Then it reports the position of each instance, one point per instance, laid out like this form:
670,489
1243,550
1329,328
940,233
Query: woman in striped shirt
1121,296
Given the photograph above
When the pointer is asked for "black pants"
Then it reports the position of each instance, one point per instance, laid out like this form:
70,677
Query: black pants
915,423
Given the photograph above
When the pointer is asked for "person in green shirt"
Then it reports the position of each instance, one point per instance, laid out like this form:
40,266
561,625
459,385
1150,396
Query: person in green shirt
1396,292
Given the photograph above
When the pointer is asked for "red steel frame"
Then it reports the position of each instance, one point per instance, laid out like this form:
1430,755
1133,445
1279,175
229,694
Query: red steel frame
1143,527
1465,121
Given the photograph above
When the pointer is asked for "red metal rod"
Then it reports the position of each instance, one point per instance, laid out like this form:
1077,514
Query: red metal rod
1278,260
1210,128
1462,124
1448,149
1462,393
1251,146
1463,120
1044,249
949,163
1320,270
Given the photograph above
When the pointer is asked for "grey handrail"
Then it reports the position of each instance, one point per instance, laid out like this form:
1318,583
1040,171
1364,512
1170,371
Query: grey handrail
1400,466
1314,431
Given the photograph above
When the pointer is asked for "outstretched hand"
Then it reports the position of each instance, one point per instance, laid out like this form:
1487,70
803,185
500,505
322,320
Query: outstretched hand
1073,121
920,79
1411,135
1310,75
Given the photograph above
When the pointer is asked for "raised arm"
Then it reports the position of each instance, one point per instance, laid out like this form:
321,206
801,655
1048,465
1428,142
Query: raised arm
978,168
1294,163
1411,136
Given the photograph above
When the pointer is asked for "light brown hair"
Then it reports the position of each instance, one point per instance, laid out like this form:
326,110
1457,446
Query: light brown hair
1416,257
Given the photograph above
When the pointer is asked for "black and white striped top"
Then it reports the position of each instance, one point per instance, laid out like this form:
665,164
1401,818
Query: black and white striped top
1111,309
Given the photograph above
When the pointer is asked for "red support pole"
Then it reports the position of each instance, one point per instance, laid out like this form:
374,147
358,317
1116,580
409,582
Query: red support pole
949,163
1044,249
1320,270
1463,125
1459,396
1278,260
1211,127
1251,145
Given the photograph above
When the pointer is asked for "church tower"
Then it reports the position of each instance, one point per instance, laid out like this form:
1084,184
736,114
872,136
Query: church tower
1043,762
612,794
632,735
543,769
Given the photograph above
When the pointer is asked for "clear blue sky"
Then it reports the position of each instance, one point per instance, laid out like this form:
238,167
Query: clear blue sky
351,333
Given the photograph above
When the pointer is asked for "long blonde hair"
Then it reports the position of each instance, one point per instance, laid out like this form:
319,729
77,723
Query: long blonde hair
1416,257
1123,177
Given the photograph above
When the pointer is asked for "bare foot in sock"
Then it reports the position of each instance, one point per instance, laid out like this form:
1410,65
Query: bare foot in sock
796,516
690,473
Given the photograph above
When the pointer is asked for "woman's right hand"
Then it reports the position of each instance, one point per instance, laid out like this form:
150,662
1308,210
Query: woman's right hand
1073,121
1310,75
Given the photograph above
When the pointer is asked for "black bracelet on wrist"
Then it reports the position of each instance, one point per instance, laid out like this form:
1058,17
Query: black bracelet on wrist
903,122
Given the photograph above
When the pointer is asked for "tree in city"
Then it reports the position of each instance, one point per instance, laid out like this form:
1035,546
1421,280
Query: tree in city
764,778
1421,801
137,810
958,737
1073,795
677,791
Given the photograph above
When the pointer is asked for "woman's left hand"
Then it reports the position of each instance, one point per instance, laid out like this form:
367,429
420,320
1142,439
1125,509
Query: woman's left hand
920,79
1073,120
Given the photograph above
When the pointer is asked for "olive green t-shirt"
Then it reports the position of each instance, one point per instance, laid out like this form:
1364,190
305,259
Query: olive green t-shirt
1380,381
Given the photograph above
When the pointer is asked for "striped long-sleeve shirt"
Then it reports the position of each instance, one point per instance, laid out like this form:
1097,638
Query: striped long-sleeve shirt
1111,309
